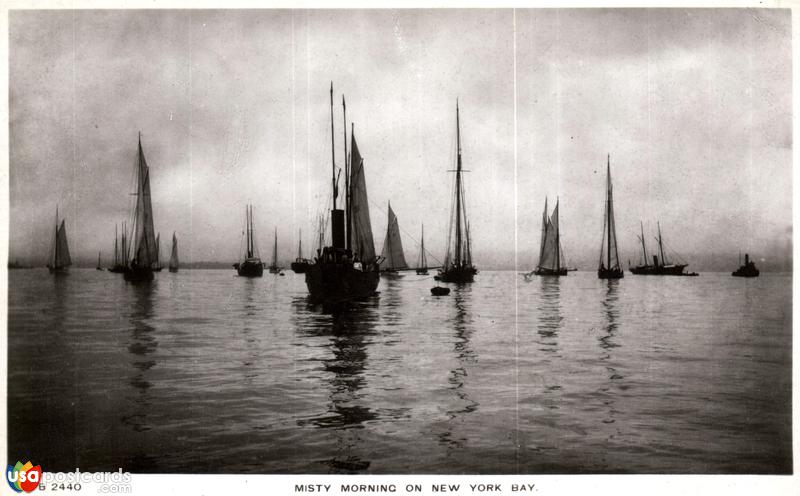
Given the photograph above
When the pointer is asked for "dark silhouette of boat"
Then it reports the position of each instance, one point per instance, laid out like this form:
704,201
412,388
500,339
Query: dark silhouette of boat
747,270
609,267
300,264
422,261
145,250
251,266
440,291
59,259
661,266
273,268
551,259
120,251
392,258
158,266
347,269
457,265
99,266
173,257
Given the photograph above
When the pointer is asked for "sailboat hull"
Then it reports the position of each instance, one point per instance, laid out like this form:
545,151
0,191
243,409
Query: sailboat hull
138,274
300,266
335,282
550,272
458,274
610,273
422,272
659,270
57,270
173,269
250,269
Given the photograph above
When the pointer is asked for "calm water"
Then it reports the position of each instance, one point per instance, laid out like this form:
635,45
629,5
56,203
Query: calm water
202,371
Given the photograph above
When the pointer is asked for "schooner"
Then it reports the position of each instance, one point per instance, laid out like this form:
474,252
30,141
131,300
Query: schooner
551,259
145,249
609,266
251,266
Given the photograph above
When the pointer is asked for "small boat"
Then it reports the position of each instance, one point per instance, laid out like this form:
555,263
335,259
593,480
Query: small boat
422,261
747,270
59,258
251,266
173,258
609,266
392,257
440,291
158,265
145,250
551,261
660,267
300,264
457,265
99,267
347,269
273,268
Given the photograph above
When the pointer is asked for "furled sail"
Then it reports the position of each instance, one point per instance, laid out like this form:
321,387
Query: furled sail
145,250
363,245
392,252
173,258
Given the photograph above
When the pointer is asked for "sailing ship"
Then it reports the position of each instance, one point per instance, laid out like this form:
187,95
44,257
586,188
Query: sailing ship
748,269
347,269
392,255
660,266
551,259
173,258
145,250
609,266
251,266
457,265
59,258
422,261
99,266
120,253
300,264
158,265
273,268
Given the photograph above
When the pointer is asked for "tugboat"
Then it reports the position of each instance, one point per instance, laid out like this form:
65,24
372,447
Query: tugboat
610,267
747,270
457,265
300,264
251,266
347,269
145,250
59,255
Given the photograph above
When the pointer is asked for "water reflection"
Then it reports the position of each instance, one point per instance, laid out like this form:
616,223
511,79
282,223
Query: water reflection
250,310
608,343
392,300
457,378
349,334
141,345
550,317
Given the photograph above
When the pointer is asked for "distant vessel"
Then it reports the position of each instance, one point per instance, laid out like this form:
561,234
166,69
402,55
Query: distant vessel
300,264
747,270
99,266
551,261
173,258
660,267
158,265
392,255
348,269
609,267
457,265
59,258
251,266
422,261
145,250
120,252
273,268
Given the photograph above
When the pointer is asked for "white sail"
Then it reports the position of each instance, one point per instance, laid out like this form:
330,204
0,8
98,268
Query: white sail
145,250
609,256
362,242
392,252
62,258
550,253
173,258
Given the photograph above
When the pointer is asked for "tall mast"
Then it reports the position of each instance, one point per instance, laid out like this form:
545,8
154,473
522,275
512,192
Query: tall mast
608,209
249,220
116,250
458,190
644,250
300,245
333,158
347,166
661,245
55,251
558,241
275,249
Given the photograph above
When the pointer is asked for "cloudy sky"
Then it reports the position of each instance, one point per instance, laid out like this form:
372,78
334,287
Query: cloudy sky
694,107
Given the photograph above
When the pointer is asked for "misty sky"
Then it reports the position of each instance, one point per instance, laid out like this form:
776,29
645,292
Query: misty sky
694,107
